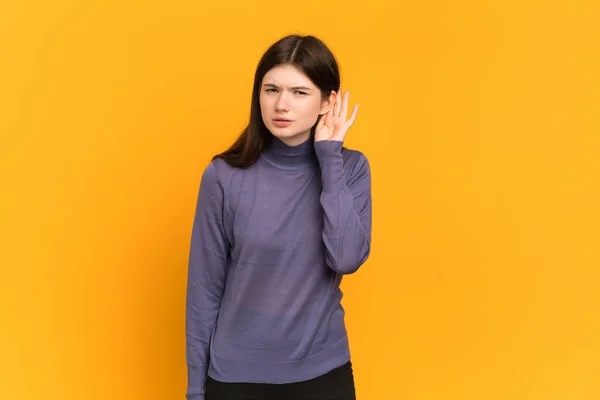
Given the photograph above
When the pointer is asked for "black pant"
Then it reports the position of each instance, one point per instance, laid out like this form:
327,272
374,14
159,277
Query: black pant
337,384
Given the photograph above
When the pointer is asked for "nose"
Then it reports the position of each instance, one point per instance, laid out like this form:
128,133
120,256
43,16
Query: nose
282,104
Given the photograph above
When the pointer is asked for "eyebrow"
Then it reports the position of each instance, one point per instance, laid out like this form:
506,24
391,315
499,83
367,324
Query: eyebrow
294,87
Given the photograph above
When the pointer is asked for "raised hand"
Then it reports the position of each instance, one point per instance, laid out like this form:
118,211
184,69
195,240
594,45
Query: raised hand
334,125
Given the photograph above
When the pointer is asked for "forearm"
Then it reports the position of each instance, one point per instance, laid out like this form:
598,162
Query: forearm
346,202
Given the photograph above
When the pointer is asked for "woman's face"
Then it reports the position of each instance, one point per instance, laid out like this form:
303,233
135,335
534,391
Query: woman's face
290,104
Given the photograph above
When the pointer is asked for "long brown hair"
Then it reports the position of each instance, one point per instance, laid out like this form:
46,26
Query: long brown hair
311,56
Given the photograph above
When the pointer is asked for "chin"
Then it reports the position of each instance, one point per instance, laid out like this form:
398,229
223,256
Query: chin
289,136
284,134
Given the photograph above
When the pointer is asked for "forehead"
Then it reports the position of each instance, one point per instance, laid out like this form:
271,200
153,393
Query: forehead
287,75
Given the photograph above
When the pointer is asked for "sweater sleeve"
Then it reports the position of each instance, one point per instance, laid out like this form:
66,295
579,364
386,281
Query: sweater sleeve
346,202
208,257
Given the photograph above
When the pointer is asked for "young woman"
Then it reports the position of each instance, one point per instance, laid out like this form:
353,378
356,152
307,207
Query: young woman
281,217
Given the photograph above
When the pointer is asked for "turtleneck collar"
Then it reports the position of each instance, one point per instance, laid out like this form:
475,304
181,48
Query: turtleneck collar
284,156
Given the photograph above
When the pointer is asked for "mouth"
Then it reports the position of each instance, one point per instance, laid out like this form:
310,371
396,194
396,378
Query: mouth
281,122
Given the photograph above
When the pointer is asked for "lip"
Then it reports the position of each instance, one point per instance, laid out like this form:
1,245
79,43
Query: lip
281,122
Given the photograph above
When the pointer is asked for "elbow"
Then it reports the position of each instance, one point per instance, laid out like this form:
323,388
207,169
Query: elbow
349,261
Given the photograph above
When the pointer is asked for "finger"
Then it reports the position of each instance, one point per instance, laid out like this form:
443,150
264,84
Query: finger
330,115
354,113
338,102
321,121
344,110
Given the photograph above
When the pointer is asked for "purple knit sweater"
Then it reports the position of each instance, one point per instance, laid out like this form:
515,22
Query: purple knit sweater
270,244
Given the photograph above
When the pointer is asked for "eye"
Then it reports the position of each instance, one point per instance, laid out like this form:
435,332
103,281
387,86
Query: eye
270,90
301,93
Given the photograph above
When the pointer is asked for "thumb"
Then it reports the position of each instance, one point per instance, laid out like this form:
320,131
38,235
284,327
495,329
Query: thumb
321,121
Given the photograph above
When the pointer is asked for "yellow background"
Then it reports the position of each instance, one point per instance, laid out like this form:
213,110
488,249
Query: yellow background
481,122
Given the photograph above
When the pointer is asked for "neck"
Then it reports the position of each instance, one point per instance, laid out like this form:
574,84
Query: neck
290,157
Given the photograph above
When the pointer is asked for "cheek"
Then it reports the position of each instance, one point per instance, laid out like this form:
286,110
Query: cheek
309,108
264,105
311,111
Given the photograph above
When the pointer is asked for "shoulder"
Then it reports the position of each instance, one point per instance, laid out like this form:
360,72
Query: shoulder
355,162
218,172
353,155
